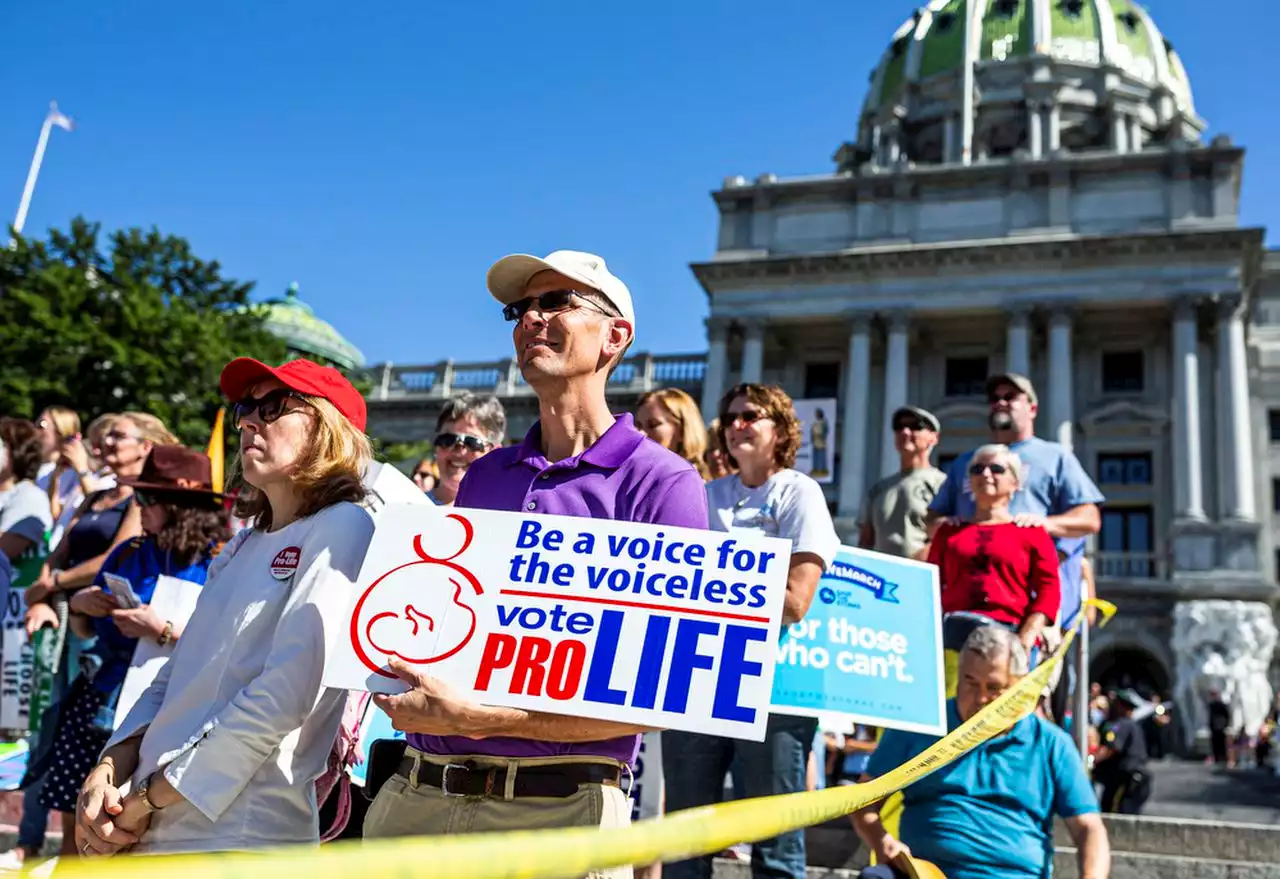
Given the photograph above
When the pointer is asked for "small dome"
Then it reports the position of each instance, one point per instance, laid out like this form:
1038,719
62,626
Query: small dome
293,321
1086,61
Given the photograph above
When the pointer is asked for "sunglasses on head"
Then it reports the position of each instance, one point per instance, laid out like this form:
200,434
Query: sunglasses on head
745,417
453,440
979,469
269,407
549,302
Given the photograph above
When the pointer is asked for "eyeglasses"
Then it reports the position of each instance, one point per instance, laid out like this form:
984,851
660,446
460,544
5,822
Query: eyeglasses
979,469
119,436
453,440
269,407
745,417
550,302
913,426
423,474
1006,397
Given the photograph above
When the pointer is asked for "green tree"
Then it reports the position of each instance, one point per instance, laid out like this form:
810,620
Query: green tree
139,323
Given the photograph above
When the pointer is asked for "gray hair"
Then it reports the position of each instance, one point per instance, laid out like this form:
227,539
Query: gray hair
487,411
1000,450
994,642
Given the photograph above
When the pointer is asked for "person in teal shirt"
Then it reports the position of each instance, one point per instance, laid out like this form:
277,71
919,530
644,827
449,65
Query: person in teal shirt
990,813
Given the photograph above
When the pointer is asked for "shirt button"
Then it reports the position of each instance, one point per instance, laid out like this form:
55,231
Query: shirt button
532,505
545,476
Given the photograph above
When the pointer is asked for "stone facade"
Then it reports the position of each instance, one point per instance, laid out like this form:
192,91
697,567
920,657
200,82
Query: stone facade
1026,193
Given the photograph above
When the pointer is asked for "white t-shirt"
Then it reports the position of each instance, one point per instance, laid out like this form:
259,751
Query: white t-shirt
237,716
24,510
789,505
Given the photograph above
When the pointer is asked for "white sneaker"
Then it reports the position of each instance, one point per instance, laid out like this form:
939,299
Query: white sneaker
11,862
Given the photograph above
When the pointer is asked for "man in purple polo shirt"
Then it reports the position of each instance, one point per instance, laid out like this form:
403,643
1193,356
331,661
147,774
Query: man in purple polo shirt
476,768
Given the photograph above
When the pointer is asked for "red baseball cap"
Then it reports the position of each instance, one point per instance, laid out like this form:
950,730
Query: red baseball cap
299,375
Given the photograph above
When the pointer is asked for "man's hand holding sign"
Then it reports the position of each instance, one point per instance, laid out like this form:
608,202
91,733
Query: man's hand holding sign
493,617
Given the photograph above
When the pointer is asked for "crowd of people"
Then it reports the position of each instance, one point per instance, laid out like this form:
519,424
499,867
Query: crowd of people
234,745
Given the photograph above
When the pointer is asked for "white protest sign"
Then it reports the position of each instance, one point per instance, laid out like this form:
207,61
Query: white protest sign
659,626
17,659
174,601
647,787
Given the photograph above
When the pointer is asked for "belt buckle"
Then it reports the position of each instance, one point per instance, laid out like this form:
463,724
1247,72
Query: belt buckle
444,778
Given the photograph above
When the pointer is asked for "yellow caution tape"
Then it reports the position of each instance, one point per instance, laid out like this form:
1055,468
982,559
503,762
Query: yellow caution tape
559,854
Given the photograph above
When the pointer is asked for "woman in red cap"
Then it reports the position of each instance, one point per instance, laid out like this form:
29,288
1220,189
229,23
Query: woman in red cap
183,524
224,749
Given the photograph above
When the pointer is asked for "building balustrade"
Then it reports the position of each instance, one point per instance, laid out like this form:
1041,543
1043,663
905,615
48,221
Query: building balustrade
636,374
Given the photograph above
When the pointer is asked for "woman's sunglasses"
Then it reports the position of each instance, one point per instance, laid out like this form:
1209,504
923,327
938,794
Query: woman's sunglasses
453,440
269,406
548,303
742,419
979,469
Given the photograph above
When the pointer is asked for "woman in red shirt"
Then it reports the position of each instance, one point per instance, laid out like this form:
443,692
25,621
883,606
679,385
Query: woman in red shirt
990,567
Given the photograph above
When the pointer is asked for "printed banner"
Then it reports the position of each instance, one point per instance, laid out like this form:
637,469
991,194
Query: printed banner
816,456
17,664
668,627
647,784
870,649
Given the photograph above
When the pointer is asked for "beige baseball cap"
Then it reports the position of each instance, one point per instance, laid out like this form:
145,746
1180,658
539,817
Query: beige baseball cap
509,276
1021,382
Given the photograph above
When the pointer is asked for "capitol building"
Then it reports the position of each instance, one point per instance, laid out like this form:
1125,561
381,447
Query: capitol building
1027,188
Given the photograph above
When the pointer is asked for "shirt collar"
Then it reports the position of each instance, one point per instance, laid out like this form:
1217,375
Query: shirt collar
609,452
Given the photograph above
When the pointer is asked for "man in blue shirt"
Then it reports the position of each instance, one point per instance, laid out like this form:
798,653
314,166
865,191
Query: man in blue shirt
989,814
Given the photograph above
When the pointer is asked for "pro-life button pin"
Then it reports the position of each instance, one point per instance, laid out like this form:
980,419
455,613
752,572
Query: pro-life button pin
285,564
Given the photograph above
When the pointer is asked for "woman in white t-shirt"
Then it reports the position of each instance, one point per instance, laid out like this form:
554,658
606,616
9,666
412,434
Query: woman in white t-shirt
225,748
766,495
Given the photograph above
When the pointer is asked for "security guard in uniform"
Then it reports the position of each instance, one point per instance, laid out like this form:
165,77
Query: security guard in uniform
1121,761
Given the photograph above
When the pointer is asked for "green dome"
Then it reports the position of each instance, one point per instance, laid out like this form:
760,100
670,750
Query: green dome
1095,53
293,321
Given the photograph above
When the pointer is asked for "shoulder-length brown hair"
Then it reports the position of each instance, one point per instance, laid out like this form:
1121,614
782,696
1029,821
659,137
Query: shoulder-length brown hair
330,471
26,450
692,445
193,531
777,405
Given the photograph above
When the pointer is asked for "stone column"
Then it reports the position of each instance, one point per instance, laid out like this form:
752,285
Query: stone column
1035,130
384,387
1136,135
753,351
1061,370
896,366
1233,395
1055,128
1188,494
717,370
855,418
1119,132
1018,342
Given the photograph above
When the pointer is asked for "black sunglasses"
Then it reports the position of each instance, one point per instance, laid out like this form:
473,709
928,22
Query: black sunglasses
747,416
912,426
550,302
269,406
452,440
979,469
423,474
1006,397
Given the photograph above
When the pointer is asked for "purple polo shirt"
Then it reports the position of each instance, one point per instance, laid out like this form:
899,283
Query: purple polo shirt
622,476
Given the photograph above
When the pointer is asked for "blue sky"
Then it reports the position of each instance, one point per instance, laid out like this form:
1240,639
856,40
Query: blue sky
383,154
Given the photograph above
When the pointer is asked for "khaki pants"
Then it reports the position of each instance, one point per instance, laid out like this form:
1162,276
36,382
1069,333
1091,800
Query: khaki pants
402,809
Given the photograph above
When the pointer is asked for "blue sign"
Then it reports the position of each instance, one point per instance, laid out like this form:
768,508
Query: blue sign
869,650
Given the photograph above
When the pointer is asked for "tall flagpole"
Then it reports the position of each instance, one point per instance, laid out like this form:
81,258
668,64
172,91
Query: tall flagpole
54,117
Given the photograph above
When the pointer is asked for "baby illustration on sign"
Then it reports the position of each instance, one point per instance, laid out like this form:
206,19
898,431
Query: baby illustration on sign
417,611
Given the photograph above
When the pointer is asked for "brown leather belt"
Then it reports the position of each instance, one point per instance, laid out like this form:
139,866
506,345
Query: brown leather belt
469,780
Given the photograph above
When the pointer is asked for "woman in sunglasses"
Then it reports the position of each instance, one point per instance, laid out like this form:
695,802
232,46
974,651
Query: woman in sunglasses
183,525
991,569
469,427
225,747
767,495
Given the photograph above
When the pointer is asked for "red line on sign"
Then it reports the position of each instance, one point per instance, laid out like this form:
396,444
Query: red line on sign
618,602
